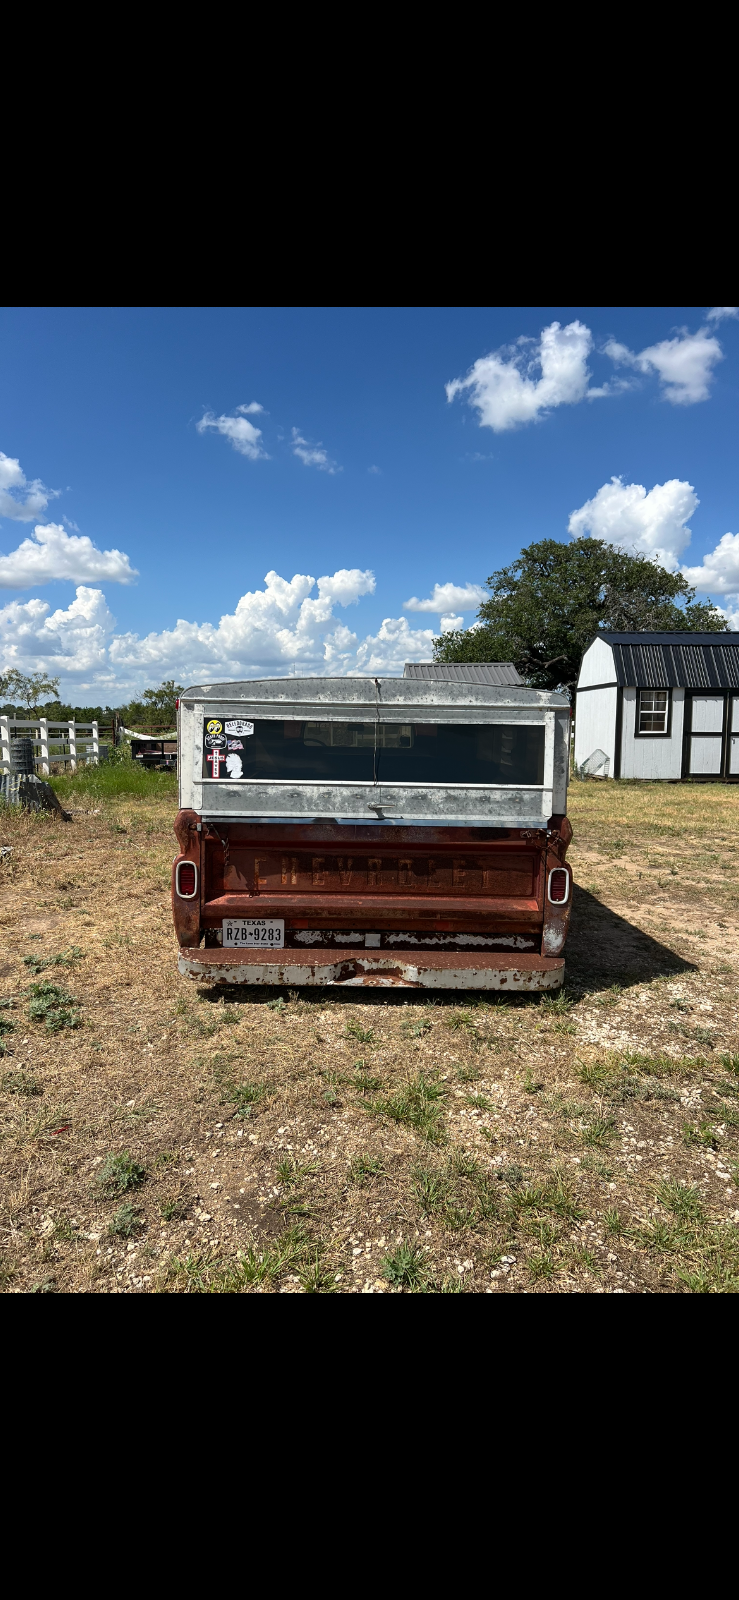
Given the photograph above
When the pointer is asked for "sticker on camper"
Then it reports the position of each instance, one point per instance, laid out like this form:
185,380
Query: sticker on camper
240,727
223,757
215,760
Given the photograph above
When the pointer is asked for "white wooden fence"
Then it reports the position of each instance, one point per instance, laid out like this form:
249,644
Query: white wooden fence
60,742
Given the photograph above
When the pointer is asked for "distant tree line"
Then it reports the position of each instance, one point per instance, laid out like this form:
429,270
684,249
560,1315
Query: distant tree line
34,694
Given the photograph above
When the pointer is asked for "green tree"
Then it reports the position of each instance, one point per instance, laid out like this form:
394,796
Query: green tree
157,707
547,606
29,689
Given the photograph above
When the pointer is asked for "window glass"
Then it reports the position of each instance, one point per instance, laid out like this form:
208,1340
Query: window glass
653,706
360,752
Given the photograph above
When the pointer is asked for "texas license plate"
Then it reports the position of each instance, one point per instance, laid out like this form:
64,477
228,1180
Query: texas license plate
250,933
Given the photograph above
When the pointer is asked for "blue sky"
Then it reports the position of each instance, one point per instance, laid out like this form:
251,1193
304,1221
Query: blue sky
389,452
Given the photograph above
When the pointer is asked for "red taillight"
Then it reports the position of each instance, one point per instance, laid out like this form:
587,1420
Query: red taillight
186,879
177,705
559,885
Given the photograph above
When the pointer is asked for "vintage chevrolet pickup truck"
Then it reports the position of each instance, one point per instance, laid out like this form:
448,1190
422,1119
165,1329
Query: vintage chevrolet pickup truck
403,832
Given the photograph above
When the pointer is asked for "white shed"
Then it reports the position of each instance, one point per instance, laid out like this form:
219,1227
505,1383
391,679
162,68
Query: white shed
659,705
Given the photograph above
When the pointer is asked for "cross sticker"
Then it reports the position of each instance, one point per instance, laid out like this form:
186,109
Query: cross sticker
215,757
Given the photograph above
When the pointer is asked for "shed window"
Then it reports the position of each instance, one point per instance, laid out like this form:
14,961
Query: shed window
653,709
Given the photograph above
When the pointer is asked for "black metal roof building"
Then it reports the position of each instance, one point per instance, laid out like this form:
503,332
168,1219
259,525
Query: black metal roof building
675,660
500,674
659,705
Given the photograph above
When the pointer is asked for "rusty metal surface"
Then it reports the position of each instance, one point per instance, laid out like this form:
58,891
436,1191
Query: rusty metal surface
500,871
393,881
433,970
556,915
363,906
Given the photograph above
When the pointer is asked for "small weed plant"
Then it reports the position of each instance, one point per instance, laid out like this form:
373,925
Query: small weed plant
120,1173
54,1006
21,1083
405,1267
126,1222
354,1030
66,958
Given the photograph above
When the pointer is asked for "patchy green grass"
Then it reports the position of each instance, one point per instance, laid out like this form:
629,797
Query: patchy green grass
290,1173
21,1082
362,1169
226,1103
683,1200
115,780
406,1267
418,1104
458,1194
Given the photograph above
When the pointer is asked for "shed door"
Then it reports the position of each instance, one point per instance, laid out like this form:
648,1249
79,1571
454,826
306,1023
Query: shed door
734,739
706,735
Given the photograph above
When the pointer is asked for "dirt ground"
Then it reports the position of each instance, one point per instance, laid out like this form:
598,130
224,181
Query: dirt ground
160,1138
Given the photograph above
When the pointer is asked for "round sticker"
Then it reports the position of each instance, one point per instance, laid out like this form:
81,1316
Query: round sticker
214,727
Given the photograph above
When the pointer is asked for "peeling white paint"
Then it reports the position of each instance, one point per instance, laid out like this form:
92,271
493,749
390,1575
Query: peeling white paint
390,972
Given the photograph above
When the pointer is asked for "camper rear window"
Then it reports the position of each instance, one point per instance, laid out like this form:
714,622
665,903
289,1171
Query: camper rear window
364,752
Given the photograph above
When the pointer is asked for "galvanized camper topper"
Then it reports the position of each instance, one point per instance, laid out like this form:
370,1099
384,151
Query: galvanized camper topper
395,831
377,710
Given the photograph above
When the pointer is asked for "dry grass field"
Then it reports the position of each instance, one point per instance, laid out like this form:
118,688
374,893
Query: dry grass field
160,1138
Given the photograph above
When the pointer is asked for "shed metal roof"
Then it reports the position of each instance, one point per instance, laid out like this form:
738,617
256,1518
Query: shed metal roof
497,673
675,660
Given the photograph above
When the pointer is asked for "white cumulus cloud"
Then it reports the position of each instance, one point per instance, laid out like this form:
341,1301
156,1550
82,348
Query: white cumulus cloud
73,641
719,571
242,434
446,597
523,382
21,500
684,364
269,629
655,524
520,383
288,626
53,553
313,455
652,524
395,643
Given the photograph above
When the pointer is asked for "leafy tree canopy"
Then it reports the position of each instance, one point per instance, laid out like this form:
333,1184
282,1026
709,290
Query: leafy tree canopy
546,607
157,707
28,688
